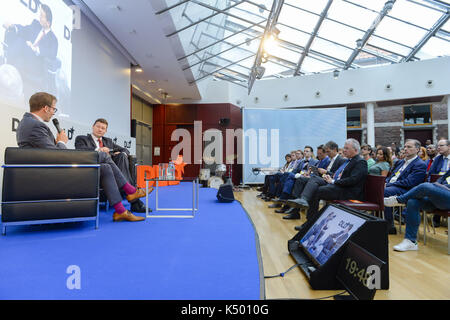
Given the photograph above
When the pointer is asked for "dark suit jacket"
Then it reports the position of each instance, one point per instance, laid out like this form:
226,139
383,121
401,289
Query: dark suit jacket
304,165
412,176
443,179
436,165
324,163
32,133
353,179
87,143
48,46
337,163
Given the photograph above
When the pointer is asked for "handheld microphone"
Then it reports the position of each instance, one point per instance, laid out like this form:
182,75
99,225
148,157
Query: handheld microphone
56,123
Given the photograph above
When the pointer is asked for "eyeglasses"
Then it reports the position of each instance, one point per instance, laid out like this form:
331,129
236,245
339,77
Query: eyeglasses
56,109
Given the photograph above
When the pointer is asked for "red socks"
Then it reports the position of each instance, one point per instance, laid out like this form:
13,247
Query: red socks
129,189
119,208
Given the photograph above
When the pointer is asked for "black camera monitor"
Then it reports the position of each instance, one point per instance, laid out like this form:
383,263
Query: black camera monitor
329,232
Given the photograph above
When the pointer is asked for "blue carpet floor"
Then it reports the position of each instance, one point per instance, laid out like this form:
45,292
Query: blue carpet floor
212,256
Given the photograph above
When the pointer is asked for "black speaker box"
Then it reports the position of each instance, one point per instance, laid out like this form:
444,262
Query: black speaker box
225,192
224,121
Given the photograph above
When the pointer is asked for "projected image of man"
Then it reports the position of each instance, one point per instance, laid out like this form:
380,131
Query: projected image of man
32,48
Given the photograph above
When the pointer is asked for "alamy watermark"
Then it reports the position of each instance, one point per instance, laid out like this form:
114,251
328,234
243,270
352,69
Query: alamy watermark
73,282
257,141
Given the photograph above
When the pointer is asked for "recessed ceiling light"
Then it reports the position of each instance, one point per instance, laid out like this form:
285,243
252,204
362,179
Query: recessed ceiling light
151,81
138,69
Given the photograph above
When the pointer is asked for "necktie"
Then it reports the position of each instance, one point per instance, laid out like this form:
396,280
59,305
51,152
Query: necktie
100,142
338,173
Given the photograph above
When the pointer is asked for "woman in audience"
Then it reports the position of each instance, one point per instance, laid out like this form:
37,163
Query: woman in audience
384,162
287,157
423,154
365,153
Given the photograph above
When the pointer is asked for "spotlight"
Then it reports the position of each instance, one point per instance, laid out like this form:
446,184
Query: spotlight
388,5
259,72
359,43
336,74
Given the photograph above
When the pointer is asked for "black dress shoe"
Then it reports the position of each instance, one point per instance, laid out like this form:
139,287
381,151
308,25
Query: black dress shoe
139,207
278,200
293,210
275,205
292,216
282,210
298,203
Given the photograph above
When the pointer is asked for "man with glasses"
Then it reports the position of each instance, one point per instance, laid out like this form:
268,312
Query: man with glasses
33,132
405,175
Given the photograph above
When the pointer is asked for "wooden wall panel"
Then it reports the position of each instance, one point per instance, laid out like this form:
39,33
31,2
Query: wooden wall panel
167,118
182,113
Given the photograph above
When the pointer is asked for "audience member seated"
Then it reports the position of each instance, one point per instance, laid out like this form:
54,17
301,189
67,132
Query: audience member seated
265,187
346,183
288,179
426,196
324,159
406,174
383,164
366,151
440,165
336,160
332,151
431,152
423,154
274,179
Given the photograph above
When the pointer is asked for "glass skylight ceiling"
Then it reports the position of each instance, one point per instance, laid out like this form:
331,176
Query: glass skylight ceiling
221,38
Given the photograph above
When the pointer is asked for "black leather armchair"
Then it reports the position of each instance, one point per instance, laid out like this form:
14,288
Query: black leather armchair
49,186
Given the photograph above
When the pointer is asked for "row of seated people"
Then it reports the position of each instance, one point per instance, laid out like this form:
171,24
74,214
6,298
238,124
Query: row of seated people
304,181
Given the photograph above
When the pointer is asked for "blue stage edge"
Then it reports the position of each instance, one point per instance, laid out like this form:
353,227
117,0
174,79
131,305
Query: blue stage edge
214,256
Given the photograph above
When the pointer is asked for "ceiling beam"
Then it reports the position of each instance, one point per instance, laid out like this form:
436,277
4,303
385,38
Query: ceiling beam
271,22
442,20
387,7
217,11
312,37
171,7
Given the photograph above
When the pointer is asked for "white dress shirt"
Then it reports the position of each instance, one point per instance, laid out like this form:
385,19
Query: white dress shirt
399,171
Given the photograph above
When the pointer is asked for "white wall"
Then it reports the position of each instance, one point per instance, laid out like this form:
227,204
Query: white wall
408,80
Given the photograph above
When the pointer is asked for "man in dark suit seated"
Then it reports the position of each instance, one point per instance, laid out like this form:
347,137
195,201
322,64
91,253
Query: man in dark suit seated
34,47
332,151
32,132
120,155
405,175
346,183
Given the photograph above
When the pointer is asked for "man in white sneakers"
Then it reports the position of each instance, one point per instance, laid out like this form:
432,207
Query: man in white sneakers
426,196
